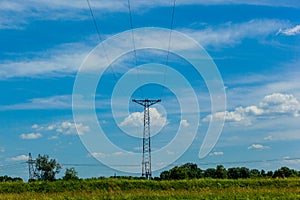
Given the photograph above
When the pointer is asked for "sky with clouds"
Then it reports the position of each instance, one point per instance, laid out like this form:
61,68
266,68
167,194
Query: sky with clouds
254,44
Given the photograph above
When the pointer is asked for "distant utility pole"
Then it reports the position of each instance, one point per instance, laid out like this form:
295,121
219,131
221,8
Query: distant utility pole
31,168
146,162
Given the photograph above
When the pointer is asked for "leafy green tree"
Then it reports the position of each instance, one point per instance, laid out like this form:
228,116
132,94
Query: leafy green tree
233,173
285,172
269,174
192,170
165,175
210,173
244,172
10,179
178,173
255,173
221,172
47,168
70,174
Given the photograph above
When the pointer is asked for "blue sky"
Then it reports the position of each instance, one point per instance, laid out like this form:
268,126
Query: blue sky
255,47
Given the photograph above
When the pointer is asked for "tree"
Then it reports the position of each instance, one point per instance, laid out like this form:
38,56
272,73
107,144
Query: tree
233,173
10,179
255,173
165,175
285,172
47,168
210,173
70,174
192,170
178,173
221,172
244,172
269,174
263,173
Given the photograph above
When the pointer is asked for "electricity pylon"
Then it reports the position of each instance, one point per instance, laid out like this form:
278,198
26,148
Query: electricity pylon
146,161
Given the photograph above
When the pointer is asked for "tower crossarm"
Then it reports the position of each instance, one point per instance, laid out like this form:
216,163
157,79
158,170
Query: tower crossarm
146,102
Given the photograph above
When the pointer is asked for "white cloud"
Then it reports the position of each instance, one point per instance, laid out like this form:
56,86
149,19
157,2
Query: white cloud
278,103
136,119
64,60
288,160
120,153
232,34
291,31
217,153
30,136
54,137
18,158
184,122
97,155
54,102
64,127
271,106
103,155
69,128
258,146
35,126
268,137
2,149
50,127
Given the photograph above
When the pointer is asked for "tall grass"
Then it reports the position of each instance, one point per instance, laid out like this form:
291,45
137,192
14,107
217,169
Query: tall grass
143,189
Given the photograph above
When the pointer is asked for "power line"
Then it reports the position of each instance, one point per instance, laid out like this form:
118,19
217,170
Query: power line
95,165
133,43
101,41
132,33
94,20
250,161
169,44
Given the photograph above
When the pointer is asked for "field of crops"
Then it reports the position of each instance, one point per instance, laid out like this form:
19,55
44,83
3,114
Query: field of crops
143,189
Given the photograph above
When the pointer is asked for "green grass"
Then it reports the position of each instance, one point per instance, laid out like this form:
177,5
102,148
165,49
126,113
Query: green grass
143,189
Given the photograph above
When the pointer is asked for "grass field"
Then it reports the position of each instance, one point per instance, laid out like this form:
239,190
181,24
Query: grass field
143,189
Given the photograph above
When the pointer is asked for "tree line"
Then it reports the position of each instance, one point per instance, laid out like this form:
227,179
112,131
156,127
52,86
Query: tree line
47,169
192,171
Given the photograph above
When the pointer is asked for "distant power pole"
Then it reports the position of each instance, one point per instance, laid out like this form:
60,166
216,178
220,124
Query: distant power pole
31,168
146,162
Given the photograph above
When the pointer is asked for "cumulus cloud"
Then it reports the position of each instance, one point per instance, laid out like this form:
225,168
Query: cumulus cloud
64,127
217,153
272,105
290,31
184,122
30,136
69,128
278,103
35,126
136,119
258,146
18,158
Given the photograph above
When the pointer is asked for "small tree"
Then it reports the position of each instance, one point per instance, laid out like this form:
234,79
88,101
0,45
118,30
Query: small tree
178,173
47,168
70,174
221,172
165,175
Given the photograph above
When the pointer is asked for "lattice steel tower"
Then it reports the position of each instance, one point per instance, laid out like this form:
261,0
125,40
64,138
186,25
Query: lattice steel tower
146,162
31,168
